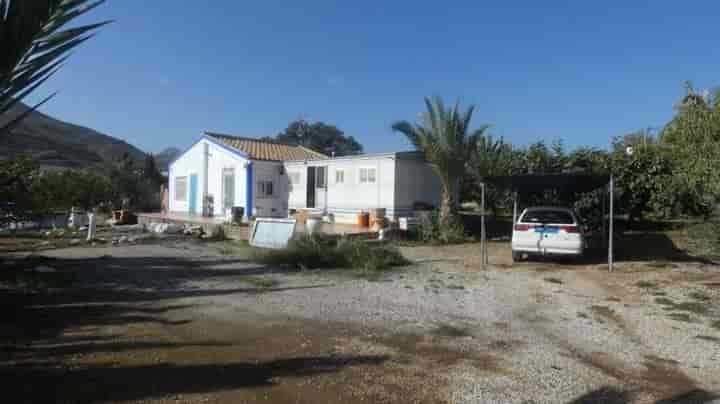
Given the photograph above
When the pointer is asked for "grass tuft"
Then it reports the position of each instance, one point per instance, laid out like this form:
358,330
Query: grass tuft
693,307
646,285
447,330
264,283
664,301
680,317
699,296
708,338
318,252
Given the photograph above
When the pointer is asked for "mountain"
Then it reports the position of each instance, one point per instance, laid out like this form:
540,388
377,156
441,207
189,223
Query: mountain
165,157
54,143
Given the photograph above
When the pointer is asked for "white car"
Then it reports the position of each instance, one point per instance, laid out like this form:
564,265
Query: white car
547,231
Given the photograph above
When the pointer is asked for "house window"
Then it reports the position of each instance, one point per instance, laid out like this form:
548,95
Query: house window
368,175
228,190
294,177
181,189
321,177
265,189
339,176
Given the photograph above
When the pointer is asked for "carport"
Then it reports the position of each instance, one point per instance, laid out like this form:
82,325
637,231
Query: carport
524,184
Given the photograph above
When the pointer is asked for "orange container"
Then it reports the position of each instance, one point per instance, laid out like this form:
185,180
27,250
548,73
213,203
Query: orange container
363,219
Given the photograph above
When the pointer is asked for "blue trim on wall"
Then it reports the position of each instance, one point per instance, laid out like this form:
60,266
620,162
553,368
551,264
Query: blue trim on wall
249,190
213,141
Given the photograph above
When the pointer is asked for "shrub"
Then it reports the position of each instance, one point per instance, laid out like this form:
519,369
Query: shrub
318,252
430,230
703,239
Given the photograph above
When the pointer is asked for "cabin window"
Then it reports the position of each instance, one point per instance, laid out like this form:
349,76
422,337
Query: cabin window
181,189
339,176
368,175
265,189
321,177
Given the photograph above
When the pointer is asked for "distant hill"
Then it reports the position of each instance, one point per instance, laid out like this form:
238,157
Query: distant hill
165,157
54,143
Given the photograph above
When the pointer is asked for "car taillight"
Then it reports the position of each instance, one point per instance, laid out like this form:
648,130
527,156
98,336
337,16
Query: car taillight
571,229
524,227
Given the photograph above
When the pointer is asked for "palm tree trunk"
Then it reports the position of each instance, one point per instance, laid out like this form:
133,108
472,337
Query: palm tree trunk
447,207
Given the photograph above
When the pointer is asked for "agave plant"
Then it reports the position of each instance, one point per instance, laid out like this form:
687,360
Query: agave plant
443,135
34,44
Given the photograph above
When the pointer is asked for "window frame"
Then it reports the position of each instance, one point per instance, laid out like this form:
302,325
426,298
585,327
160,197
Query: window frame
262,189
184,195
367,171
339,176
321,177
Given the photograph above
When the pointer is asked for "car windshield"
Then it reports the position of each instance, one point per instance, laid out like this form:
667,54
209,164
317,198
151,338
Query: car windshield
548,216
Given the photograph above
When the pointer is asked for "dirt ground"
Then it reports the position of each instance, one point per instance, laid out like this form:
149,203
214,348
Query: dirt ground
199,323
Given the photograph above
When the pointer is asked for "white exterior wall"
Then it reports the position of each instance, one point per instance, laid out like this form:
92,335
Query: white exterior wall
415,181
277,204
345,200
191,162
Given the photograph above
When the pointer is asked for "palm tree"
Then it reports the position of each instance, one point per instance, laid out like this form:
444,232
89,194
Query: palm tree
35,45
443,135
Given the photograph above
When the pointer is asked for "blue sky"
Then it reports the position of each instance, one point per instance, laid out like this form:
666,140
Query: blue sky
578,71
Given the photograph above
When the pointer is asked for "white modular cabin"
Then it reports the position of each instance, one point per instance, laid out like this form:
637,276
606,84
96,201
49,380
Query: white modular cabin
346,186
218,168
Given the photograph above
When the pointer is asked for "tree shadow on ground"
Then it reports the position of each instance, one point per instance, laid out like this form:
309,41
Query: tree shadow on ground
115,291
655,248
647,241
614,395
102,383
111,292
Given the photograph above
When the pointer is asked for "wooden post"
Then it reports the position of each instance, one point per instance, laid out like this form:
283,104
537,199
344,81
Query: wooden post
612,220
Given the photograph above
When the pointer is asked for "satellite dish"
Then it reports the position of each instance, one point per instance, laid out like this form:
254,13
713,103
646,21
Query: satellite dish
629,150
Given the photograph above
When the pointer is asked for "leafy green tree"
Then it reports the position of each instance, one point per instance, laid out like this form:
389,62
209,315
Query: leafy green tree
85,189
444,137
645,180
538,158
150,171
491,158
694,136
35,44
319,136
16,180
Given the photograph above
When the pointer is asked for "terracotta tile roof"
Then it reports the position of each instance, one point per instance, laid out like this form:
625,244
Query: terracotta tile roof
267,150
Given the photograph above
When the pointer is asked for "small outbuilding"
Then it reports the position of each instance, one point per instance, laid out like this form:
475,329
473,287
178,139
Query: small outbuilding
345,186
268,179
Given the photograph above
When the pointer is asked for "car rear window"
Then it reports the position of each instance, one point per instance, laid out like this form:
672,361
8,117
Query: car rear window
548,216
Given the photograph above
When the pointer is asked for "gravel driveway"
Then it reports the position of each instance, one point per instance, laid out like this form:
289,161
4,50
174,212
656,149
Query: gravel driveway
529,333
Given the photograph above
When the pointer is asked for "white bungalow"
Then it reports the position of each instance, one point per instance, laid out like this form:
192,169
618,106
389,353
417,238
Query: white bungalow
211,177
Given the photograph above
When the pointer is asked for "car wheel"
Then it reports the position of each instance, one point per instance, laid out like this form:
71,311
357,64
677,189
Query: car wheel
516,256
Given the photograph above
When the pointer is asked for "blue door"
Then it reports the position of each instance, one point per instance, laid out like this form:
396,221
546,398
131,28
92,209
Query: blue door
193,194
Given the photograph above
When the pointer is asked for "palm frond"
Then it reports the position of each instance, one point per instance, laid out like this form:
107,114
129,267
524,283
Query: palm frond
443,135
35,45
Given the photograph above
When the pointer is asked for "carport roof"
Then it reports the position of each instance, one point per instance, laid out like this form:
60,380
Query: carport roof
576,182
